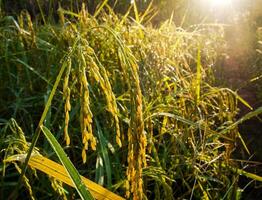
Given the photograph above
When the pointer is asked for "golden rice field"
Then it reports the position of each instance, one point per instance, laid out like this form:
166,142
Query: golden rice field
109,106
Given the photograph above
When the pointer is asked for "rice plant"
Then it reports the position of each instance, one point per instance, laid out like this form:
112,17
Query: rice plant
134,107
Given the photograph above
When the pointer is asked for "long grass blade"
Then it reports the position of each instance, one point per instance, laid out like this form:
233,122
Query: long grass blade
37,133
104,152
100,8
71,170
244,173
198,76
136,12
242,119
59,172
190,123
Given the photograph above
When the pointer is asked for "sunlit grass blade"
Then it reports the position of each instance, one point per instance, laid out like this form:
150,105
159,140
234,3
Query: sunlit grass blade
124,18
71,170
244,101
243,143
136,12
190,123
198,76
248,116
68,12
244,173
237,170
241,120
248,174
59,172
147,11
100,8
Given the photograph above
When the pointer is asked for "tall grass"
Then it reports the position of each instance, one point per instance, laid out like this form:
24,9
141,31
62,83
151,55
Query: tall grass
136,110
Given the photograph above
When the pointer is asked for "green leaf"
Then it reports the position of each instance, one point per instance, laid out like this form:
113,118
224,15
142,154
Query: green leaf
71,170
103,150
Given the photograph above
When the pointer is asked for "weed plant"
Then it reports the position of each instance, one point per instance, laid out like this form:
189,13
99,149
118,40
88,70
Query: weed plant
135,108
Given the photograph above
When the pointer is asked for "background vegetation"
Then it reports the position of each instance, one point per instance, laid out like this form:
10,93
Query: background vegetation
140,102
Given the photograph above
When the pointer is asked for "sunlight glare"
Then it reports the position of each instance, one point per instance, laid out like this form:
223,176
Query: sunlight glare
217,3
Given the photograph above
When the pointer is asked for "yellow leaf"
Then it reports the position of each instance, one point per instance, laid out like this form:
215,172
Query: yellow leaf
58,171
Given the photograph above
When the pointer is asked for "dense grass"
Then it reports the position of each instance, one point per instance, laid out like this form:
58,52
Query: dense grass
135,107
